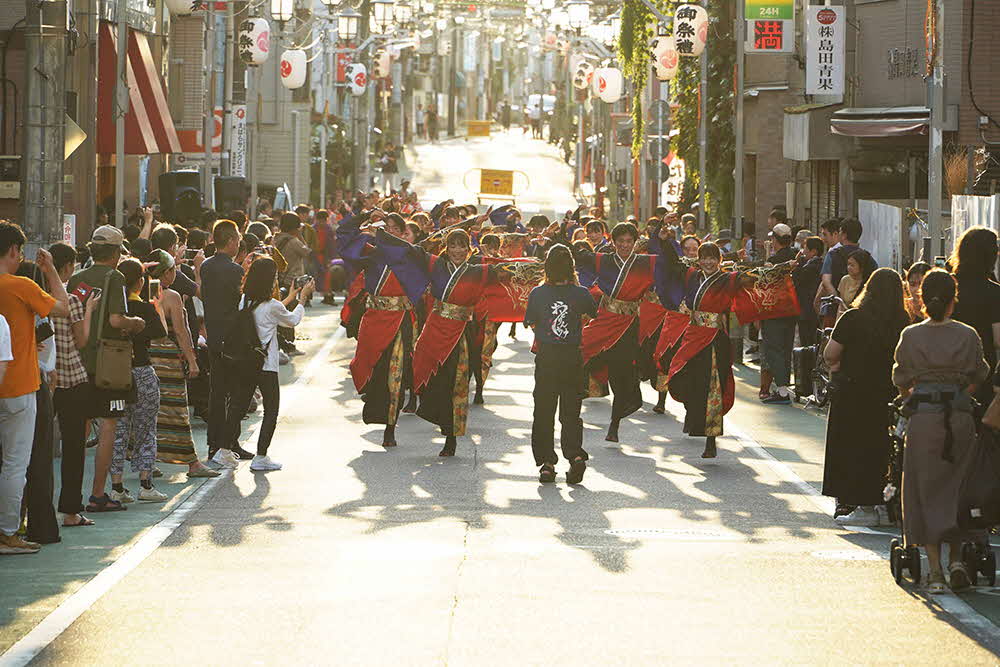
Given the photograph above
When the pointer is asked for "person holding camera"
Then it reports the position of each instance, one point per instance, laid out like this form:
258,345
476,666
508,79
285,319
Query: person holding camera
268,314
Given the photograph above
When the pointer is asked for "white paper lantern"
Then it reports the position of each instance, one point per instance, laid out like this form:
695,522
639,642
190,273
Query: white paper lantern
691,29
583,75
183,7
293,68
609,83
254,41
357,78
665,58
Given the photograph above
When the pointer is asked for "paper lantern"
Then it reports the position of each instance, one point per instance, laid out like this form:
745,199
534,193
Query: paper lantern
357,78
691,29
293,68
666,58
254,41
183,7
608,84
583,75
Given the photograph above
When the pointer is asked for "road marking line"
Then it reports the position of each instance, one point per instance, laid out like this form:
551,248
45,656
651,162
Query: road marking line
980,627
69,610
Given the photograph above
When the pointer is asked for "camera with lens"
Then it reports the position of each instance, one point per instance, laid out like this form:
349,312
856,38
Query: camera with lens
301,281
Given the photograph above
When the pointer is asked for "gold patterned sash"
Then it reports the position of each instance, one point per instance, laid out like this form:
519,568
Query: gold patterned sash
701,318
652,297
452,311
619,307
389,303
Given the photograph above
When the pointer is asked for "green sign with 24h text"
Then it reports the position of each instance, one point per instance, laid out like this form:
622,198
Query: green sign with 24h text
770,9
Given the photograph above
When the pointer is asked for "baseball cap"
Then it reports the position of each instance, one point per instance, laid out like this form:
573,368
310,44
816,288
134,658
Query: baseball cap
108,235
781,229
159,262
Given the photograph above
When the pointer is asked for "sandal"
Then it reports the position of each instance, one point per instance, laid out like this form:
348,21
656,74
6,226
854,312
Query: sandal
547,473
958,575
84,521
104,504
576,469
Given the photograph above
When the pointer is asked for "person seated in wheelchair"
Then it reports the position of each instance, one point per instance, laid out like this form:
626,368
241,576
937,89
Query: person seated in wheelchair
937,363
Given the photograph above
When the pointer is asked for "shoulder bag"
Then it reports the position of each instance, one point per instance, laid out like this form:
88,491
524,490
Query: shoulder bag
114,357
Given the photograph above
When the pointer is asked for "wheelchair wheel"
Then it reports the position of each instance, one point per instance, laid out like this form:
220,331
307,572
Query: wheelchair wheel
821,393
970,557
913,563
895,561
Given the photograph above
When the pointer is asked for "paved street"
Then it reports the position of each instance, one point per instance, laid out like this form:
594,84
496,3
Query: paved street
354,554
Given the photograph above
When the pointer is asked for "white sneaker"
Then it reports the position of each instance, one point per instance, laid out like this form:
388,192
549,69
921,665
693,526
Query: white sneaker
123,497
152,495
264,464
283,358
225,459
861,516
883,515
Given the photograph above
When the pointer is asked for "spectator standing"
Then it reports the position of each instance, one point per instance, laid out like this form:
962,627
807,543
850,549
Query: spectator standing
432,124
807,279
973,264
419,117
268,314
778,335
136,430
835,262
914,301
42,526
222,279
859,266
20,301
70,396
291,246
389,162
107,319
860,352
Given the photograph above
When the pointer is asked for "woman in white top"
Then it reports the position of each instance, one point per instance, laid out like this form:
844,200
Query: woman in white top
5,351
268,314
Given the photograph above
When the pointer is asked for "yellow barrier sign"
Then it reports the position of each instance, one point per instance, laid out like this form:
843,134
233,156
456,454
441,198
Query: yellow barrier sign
496,182
477,128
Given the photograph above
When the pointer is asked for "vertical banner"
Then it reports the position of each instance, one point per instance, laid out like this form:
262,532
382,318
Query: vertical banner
826,28
69,229
238,159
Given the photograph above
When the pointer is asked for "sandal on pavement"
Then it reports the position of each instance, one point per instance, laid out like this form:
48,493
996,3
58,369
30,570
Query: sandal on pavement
84,521
547,473
576,469
104,504
203,471
936,583
959,576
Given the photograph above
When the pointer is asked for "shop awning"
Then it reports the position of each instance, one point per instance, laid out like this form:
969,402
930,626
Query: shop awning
880,121
148,125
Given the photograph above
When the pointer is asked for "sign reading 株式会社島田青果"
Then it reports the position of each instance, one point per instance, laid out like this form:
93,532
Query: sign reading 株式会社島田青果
770,9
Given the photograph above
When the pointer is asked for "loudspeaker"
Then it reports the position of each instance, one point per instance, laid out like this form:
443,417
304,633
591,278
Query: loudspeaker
231,194
180,197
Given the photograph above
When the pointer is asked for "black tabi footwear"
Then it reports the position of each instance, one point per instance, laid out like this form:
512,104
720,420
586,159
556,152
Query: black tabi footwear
710,451
612,435
450,444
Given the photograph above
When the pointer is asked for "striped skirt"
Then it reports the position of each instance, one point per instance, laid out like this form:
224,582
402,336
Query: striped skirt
174,443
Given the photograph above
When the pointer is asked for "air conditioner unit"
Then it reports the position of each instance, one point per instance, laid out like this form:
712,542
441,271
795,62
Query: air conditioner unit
10,176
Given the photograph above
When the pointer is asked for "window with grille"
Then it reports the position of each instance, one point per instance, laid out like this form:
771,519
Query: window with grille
825,191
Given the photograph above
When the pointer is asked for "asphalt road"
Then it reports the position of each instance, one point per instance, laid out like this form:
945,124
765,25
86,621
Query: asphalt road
357,555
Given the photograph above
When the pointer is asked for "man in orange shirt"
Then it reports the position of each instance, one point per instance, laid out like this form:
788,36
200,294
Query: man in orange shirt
20,301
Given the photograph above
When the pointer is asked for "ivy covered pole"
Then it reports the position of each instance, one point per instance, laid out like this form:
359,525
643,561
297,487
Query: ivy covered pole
702,133
740,27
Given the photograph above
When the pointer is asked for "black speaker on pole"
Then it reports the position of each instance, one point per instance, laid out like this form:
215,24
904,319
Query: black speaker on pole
180,197
231,194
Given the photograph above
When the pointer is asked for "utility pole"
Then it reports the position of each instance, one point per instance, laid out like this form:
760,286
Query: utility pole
255,142
363,104
44,124
208,121
935,166
122,104
324,132
227,101
452,102
740,28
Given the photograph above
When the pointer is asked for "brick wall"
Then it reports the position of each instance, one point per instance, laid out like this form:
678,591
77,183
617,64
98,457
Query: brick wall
764,138
985,61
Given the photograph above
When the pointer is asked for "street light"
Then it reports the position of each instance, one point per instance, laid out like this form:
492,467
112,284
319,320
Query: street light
403,12
616,24
427,6
348,22
579,14
282,10
382,14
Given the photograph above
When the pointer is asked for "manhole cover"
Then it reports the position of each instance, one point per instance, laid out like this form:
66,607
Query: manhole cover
850,554
670,533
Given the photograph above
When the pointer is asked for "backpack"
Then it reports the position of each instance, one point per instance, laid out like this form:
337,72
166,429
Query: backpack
242,347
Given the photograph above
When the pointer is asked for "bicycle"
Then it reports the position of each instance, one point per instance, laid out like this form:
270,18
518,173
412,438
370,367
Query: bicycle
821,374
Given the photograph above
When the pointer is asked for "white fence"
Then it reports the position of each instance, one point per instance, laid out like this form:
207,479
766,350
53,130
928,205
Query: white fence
883,232
973,211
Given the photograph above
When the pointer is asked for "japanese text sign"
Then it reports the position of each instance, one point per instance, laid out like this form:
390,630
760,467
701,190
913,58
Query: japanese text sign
776,36
826,28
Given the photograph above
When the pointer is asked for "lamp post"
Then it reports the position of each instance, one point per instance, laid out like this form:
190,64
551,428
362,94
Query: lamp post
578,17
348,23
382,14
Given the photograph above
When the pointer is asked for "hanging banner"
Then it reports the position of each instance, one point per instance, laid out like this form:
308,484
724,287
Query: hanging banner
770,9
770,36
69,229
238,159
672,189
826,28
